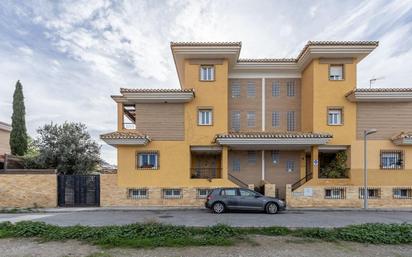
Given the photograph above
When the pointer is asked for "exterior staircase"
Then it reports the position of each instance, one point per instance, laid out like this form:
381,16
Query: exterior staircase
302,181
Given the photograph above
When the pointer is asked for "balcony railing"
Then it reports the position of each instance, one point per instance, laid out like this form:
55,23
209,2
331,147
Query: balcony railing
206,173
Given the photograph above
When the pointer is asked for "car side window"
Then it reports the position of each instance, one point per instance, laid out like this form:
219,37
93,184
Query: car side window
247,193
228,192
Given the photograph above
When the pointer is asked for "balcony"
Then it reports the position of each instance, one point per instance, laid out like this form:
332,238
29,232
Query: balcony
205,173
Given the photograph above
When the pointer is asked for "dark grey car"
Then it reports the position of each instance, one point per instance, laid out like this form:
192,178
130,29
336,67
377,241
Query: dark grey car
222,199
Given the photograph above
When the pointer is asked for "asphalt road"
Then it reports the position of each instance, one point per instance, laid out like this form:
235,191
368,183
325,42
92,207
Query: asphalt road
202,217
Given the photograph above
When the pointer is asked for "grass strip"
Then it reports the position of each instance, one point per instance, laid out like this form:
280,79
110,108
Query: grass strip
150,235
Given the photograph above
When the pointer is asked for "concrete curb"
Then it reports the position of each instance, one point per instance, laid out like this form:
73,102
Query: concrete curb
183,208
349,210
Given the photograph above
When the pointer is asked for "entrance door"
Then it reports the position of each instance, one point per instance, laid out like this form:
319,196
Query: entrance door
78,190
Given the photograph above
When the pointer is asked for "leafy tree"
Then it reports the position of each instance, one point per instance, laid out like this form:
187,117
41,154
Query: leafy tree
67,147
18,135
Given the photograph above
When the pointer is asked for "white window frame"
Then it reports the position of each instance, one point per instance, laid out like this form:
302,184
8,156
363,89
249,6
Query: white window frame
251,89
275,157
334,73
290,165
139,195
291,121
205,117
236,165
207,73
199,192
140,160
335,116
275,88
251,119
235,89
176,193
291,88
275,119
235,120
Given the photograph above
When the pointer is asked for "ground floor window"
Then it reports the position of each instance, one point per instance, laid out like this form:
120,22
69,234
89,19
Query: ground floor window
402,193
391,160
148,160
335,193
373,193
203,192
138,193
172,193
290,166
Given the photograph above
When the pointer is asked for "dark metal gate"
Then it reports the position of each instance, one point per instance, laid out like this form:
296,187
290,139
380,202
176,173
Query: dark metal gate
78,190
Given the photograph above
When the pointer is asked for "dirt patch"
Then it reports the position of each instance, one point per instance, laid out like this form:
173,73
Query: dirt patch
256,246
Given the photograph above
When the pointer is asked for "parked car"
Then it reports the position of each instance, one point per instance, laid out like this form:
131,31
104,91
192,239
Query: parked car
222,199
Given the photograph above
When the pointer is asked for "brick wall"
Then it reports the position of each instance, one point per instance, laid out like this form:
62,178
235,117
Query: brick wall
113,195
28,190
297,198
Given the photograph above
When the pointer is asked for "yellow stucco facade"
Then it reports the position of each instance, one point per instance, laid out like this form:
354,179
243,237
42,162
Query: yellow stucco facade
318,94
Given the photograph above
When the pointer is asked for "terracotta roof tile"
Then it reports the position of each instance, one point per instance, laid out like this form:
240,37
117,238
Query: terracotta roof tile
124,135
403,135
172,44
337,43
156,90
269,60
273,135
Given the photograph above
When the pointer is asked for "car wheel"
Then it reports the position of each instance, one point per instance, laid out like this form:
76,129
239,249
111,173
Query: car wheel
218,207
271,208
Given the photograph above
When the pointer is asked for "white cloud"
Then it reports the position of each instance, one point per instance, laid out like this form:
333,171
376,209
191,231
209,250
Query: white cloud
72,55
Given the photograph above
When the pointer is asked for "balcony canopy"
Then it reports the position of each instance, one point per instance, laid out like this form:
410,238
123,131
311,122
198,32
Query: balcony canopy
404,138
130,137
272,140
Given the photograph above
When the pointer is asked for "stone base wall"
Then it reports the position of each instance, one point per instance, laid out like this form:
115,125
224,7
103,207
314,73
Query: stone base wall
314,197
270,190
113,195
28,190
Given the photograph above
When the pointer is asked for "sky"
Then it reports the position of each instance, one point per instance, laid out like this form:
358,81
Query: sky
71,56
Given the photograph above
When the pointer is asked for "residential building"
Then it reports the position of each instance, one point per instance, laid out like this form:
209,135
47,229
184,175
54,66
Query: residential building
5,130
275,125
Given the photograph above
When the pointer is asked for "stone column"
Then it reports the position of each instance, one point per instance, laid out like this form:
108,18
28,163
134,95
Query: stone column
270,190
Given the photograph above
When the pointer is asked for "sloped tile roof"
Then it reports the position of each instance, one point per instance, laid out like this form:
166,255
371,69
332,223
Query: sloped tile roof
374,90
124,135
263,60
337,43
205,44
273,135
155,90
402,135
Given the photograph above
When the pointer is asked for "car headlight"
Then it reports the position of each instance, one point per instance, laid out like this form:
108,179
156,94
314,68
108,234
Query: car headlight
282,203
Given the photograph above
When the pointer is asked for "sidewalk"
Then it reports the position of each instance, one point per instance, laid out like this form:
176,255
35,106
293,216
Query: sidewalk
182,208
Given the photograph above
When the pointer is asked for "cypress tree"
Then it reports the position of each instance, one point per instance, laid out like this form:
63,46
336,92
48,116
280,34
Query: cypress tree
18,135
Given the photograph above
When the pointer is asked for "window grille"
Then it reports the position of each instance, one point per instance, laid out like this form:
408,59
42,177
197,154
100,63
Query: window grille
275,119
275,88
290,166
235,120
236,165
290,85
203,192
275,157
402,193
391,159
251,89
251,119
373,193
335,193
172,193
235,90
291,122
251,157
138,193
